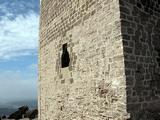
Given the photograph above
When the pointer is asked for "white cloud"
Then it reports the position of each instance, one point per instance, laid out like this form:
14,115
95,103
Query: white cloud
19,37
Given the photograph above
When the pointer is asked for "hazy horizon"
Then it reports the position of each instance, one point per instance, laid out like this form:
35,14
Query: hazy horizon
19,20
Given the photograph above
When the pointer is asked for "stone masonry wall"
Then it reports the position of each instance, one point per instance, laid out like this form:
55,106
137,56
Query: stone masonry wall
93,87
140,20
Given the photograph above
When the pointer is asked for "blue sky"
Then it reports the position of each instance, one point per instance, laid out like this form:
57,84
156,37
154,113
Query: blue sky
19,25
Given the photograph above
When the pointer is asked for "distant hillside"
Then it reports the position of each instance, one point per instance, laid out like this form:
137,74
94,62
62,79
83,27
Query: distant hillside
32,104
6,111
11,107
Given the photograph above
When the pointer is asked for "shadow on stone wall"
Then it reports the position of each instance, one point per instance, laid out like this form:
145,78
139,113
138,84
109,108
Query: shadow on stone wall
141,38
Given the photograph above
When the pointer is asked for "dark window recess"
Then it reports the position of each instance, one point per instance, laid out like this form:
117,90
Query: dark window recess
65,57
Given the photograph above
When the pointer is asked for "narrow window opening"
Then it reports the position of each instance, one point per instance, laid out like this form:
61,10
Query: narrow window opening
65,56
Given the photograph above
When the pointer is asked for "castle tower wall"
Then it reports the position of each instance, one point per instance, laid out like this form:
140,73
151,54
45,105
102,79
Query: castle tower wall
93,86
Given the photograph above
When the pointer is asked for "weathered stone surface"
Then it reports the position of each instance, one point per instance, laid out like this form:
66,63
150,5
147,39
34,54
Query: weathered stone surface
93,86
114,65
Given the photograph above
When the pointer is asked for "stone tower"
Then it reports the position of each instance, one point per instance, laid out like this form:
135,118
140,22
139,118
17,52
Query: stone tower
99,59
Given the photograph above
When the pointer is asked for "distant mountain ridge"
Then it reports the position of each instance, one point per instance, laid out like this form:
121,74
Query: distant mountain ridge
10,107
30,103
6,111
